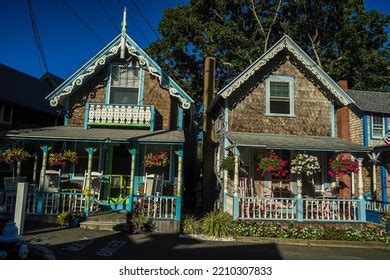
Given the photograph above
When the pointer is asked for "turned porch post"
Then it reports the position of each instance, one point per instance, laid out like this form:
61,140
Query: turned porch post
179,183
90,151
360,182
45,149
133,152
225,188
374,159
34,178
236,174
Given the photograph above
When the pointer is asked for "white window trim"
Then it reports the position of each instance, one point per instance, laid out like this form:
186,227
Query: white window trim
374,137
274,78
139,84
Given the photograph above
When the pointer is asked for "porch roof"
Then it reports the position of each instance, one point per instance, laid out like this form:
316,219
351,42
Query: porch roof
79,134
294,142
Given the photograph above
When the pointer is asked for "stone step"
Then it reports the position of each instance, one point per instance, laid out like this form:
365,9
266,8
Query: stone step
104,225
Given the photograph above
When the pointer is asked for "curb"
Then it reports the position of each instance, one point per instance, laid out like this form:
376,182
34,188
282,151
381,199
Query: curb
315,243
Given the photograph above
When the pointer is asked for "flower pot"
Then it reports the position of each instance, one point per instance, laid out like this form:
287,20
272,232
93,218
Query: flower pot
74,222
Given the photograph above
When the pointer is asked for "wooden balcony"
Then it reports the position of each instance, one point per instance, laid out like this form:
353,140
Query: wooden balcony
120,115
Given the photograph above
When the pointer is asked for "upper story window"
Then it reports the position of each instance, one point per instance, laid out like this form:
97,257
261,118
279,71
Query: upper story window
280,96
6,113
378,126
125,83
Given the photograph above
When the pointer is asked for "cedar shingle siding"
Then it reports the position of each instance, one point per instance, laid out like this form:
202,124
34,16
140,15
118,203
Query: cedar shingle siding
312,108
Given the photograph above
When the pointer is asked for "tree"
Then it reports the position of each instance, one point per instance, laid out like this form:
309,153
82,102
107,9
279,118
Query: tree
341,36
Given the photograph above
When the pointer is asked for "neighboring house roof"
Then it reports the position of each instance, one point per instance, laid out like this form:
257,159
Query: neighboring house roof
294,142
107,54
284,43
21,89
371,101
79,134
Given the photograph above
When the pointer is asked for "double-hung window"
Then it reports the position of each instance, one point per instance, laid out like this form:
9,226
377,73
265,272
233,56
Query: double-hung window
280,96
125,81
5,113
378,126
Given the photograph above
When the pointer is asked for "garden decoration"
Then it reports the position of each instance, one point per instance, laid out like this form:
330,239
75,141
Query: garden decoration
273,165
13,155
343,164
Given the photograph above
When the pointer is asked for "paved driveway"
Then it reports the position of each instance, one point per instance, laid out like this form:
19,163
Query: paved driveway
90,244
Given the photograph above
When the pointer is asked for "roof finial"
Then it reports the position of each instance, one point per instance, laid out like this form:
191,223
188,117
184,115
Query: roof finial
123,34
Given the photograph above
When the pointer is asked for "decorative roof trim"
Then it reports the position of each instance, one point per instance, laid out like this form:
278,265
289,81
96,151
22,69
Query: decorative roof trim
287,43
77,79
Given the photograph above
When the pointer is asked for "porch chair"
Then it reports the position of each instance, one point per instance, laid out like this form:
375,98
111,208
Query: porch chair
153,184
96,183
52,180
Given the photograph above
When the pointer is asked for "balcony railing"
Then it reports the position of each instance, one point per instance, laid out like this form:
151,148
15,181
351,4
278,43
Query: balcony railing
125,115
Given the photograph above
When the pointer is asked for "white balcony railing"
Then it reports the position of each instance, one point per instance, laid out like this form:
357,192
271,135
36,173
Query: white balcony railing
120,115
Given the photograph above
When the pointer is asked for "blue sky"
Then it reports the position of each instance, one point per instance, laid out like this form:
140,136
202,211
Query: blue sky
67,42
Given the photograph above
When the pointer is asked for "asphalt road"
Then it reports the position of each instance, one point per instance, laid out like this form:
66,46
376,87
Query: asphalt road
78,243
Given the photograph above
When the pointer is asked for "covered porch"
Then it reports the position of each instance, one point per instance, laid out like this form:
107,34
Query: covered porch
110,171
250,193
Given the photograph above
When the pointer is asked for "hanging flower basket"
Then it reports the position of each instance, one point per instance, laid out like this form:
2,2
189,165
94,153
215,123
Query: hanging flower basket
156,160
273,165
304,164
62,159
343,164
13,155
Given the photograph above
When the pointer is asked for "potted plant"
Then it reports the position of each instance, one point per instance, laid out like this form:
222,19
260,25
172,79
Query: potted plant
71,219
304,164
13,155
273,165
343,164
62,159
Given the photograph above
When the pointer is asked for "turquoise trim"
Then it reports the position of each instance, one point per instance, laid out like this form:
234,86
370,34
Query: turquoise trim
236,207
365,130
90,150
362,210
180,118
153,118
178,208
86,115
141,87
333,120
66,110
384,179
299,210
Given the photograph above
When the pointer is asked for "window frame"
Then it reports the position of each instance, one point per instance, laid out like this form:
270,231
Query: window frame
131,64
373,136
280,79
2,109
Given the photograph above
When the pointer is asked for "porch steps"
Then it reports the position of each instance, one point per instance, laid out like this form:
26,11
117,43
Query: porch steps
114,221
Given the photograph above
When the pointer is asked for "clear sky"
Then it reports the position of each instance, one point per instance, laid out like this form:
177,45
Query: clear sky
67,42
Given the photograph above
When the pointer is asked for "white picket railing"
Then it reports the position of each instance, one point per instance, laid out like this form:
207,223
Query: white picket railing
158,207
257,208
52,202
383,207
343,210
125,115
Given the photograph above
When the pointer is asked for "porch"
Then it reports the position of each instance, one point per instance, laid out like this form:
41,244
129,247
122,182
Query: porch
249,194
110,174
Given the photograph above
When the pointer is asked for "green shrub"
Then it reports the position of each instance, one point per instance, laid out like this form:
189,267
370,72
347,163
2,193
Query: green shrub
218,224
191,225
63,218
228,164
139,221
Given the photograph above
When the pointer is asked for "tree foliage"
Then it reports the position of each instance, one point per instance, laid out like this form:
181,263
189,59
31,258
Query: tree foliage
347,41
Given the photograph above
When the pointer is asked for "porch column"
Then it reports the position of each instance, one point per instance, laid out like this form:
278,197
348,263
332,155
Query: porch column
90,152
179,183
360,182
34,175
236,199
18,168
45,149
352,179
374,160
362,202
133,152
225,188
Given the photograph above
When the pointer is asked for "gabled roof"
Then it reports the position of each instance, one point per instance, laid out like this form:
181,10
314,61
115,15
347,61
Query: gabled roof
21,89
107,54
285,43
371,101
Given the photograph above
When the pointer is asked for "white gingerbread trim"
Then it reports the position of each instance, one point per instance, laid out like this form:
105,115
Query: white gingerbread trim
287,43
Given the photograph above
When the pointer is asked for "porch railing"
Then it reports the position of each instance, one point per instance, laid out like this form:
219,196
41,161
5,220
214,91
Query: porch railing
256,208
380,206
46,203
158,207
120,115
296,209
339,210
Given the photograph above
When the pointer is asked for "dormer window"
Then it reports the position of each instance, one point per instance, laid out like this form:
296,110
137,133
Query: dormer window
125,83
280,96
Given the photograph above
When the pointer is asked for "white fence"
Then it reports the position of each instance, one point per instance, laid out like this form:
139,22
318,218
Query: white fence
256,208
339,210
383,207
158,207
